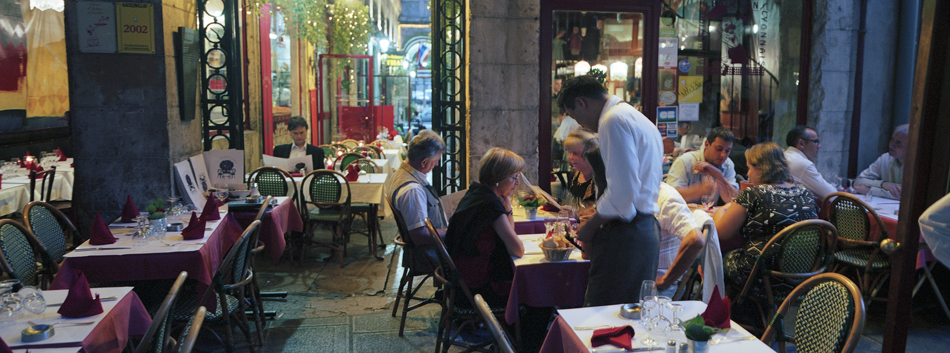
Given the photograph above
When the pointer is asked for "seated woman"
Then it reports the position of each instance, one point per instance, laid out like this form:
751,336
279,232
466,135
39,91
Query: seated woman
481,236
760,211
580,182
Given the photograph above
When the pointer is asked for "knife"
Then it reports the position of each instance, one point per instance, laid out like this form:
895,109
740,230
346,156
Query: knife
103,248
638,349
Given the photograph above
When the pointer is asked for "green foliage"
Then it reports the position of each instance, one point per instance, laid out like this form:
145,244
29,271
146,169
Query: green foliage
351,26
530,201
156,209
697,330
306,18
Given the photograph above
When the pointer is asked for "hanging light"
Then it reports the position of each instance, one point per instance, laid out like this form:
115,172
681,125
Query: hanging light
384,45
618,71
581,68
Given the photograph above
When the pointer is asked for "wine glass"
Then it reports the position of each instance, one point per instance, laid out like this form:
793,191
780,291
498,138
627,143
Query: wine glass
647,319
32,299
662,302
221,192
647,290
709,197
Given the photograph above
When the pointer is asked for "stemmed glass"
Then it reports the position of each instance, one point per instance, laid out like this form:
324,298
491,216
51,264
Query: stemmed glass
648,319
709,197
221,192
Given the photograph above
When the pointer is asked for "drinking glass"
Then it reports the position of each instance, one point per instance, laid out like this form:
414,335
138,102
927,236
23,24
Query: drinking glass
662,302
221,192
648,319
849,187
32,299
647,290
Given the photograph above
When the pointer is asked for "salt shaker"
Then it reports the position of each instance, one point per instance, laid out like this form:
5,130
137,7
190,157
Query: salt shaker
671,346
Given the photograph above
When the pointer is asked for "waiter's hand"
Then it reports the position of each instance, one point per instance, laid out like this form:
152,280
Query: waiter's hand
584,254
589,227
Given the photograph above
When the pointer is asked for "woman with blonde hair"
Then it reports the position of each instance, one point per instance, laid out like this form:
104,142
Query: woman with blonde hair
481,236
759,212
581,147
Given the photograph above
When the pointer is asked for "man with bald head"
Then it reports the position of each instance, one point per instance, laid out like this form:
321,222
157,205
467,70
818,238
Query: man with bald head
883,177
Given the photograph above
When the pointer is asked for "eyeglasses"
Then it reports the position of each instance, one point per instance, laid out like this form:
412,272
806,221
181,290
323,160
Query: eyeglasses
816,141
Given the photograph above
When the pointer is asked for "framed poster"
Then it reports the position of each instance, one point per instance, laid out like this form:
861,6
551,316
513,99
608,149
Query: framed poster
135,27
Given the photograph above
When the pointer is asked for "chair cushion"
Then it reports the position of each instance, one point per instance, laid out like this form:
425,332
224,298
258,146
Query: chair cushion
858,257
321,215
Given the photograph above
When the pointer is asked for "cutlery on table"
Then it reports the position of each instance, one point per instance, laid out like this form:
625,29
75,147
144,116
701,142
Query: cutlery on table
585,328
104,299
638,349
731,339
62,323
104,248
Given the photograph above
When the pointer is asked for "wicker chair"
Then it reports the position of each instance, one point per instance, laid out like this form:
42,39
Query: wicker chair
229,284
830,316
329,194
273,181
386,144
370,151
23,257
350,144
45,179
190,334
52,228
415,262
345,160
502,343
158,336
857,252
691,284
455,318
800,251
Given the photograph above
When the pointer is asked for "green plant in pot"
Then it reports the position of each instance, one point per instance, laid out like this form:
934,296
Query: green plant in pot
530,201
156,209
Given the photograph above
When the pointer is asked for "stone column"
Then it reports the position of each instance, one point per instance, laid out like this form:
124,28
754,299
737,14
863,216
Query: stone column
126,129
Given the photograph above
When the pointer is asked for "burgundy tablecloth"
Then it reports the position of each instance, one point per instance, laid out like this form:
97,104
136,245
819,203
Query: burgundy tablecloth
277,221
201,264
127,318
529,227
547,284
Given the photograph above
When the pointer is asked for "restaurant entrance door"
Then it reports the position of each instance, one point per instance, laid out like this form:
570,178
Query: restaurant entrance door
617,41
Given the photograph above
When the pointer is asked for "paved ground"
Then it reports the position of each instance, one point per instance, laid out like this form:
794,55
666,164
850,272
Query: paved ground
334,309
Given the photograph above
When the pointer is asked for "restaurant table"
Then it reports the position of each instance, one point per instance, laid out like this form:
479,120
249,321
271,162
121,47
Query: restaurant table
887,209
110,333
277,221
538,282
367,189
563,338
126,260
15,188
523,225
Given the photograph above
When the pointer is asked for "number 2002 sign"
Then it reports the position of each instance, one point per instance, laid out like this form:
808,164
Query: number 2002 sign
135,27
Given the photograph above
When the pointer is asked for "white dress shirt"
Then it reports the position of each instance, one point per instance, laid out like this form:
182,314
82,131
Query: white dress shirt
884,169
805,173
632,149
676,221
568,125
296,151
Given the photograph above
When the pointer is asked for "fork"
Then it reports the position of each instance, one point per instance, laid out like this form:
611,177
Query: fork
585,328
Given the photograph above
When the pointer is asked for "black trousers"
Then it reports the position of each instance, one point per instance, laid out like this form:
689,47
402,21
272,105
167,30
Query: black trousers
622,256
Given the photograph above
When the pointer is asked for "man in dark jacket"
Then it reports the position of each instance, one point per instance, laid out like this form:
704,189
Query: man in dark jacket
298,131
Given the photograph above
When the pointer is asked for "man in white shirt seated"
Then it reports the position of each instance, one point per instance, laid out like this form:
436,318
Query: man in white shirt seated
803,146
686,173
681,240
883,177
409,189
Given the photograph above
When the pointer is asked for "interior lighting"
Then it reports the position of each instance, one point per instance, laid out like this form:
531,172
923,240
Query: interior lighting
384,44
581,68
755,28
618,71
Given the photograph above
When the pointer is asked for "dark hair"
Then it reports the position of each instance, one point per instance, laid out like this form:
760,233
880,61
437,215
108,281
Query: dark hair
580,86
770,159
795,134
296,122
426,144
720,133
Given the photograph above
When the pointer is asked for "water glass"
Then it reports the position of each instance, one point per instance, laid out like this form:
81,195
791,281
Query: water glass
32,299
647,290
662,302
648,319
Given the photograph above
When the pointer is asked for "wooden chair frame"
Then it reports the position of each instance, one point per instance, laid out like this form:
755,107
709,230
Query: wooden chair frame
869,280
857,325
502,343
46,178
415,263
161,321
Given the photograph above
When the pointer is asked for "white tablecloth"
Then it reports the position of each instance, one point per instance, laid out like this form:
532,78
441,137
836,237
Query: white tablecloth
15,193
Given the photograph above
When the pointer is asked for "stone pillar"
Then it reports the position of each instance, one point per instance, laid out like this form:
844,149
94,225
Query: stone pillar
504,78
126,129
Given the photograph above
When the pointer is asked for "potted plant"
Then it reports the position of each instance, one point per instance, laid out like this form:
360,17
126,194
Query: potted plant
530,204
712,321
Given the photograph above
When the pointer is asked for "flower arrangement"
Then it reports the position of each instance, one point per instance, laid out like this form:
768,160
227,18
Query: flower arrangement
697,330
598,74
712,321
156,209
530,201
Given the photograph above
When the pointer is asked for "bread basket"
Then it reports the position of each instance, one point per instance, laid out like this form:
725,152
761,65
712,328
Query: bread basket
552,254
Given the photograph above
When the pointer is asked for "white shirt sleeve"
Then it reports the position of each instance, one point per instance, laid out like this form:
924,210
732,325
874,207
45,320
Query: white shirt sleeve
874,175
813,181
674,216
633,156
677,175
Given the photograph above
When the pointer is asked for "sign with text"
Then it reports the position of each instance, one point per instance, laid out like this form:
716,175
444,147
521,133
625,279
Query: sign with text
96,22
691,89
135,27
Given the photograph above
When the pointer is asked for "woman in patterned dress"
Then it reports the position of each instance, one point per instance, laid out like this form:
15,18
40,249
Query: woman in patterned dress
761,211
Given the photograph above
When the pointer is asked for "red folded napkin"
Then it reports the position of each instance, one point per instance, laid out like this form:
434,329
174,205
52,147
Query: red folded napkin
4,348
549,207
100,233
352,172
296,174
210,212
718,311
195,228
620,336
79,301
129,211
60,154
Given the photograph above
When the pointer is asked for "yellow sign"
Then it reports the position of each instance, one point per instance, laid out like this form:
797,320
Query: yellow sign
691,89
135,27
394,60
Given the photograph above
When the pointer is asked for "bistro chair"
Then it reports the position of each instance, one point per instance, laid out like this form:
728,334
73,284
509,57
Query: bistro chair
502,343
158,336
229,284
691,284
455,318
52,228
416,261
800,251
371,151
23,257
190,334
345,160
350,144
45,179
365,210
830,316
329,194
385,143
328,151
256,294
339,149
857,251
273,181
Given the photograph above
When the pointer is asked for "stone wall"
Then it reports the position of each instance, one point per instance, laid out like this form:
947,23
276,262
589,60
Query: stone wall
504,80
